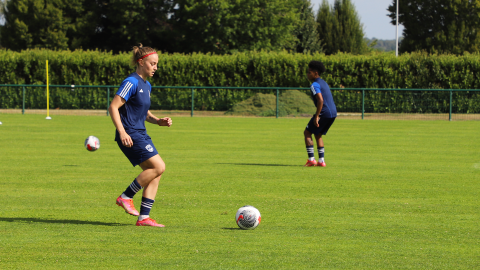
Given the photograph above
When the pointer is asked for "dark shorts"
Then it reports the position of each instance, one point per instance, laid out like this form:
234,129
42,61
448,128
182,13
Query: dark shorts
323,125
142,150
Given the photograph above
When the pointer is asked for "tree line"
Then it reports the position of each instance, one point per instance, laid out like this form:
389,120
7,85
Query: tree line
229,26
383,45
438,26
183,26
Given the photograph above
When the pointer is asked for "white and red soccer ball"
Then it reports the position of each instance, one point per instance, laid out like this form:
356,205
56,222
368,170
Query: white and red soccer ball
92,143
248,217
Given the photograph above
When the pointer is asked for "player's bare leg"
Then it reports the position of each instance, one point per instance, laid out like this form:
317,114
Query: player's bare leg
310,151
149,179
152,169
150,191
308,138
321,151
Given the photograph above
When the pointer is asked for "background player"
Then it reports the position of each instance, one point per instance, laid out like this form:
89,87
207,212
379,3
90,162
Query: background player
324,116
129,111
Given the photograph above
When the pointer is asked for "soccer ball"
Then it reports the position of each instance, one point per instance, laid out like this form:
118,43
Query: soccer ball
92,143
248,217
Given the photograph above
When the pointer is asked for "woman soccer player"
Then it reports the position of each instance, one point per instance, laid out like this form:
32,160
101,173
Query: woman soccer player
129,111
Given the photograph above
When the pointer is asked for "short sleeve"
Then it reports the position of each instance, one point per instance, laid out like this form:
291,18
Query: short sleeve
315,88
127,88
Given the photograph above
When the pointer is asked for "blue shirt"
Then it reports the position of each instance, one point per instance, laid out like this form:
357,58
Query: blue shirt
133,113
329,110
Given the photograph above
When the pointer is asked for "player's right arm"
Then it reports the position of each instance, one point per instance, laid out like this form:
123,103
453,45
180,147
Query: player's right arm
319,98
125,91
118,102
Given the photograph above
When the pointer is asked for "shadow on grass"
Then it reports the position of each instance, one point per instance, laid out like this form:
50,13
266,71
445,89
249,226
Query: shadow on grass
61,221
259,164
231,229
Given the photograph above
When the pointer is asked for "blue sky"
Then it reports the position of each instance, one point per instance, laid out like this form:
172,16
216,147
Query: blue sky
373,15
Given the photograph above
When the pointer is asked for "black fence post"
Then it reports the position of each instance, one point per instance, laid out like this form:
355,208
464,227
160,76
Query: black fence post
363,103
108,98
193,101
276,109
23,99
450,112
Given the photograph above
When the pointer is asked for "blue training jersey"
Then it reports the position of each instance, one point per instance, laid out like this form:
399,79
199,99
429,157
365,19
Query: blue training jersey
329,110
133,113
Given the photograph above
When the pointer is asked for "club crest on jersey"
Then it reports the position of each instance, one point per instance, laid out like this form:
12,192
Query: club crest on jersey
149,148
141,90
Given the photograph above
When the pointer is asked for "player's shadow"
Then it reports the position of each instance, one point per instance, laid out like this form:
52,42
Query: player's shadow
61,221
259,164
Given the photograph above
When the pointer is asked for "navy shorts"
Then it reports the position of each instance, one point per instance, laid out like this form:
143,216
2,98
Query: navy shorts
323,125
141,150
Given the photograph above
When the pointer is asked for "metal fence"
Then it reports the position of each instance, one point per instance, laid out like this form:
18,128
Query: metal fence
364,103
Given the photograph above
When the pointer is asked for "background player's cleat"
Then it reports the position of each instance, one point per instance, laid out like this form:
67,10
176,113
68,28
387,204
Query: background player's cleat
310,163
321,164
149,222
127,204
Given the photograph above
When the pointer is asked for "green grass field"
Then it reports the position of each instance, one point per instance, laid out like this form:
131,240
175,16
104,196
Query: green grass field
394,195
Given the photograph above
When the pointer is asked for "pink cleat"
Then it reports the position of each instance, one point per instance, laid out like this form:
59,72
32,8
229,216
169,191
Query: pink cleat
321,164
127,204
310,163
149,222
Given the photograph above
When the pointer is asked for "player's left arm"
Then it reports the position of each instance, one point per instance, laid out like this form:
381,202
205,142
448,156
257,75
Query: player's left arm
319,98
166,121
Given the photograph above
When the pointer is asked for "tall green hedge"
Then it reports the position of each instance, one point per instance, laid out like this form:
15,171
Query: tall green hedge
264,69
268,69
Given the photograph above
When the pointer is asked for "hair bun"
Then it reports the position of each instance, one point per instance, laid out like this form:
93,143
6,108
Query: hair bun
139,51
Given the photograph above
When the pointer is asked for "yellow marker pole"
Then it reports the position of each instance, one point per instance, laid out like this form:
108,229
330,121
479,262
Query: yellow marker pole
48,95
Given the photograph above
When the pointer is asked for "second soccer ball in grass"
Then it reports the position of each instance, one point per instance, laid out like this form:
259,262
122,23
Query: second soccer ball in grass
248,217
92,143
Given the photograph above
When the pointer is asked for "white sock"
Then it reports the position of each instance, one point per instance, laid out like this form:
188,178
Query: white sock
125,197
142,217
320,160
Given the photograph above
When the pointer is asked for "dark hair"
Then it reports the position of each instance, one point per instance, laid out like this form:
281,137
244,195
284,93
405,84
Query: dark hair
317,66
140,51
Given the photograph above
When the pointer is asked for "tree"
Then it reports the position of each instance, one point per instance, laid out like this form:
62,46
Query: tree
325,21
114,25
120,24
438,26
34,23
2,19
219,26
306,31
225,26
340,29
